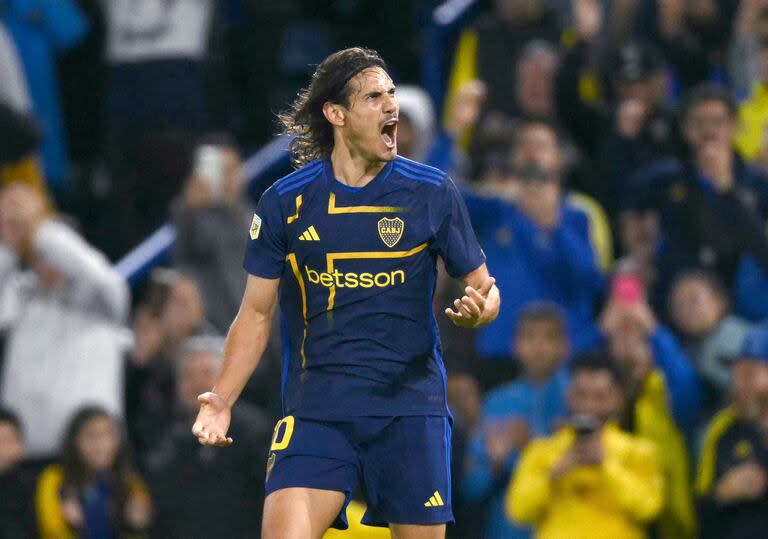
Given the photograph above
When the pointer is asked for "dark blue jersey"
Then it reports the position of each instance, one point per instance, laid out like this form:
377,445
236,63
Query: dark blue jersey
358,271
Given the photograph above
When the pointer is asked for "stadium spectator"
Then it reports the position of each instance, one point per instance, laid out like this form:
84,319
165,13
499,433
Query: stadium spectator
749,71
589,479
490,49
188,508
711,336
94,490
662,398
539,246
155,108
170,312
416,123
64,317
517,412
17,514
211,222
535,82
41,29
630,126
732,479
712,206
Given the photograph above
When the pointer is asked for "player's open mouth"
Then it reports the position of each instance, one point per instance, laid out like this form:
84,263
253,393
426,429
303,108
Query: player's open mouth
389,133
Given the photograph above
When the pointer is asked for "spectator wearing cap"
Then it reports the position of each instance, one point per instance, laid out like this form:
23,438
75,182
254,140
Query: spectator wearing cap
222,491
540,246
630,126
732,479
711,206
517,412
17,513
711,335
590,479
64,311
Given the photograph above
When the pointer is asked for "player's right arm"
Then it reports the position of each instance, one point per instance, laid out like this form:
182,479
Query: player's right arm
246,341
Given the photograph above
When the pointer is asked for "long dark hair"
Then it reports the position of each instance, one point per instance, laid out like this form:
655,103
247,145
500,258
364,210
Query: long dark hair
313,135
120,475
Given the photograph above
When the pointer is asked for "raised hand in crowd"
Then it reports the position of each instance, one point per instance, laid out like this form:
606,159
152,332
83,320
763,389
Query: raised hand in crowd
71,509
587,18
504,436
22,210
671,17
465,108
745,482
715,160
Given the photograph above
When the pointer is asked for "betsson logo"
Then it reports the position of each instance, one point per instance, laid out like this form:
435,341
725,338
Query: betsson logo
354,280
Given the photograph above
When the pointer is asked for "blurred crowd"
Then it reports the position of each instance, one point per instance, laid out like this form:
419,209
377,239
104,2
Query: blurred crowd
613,155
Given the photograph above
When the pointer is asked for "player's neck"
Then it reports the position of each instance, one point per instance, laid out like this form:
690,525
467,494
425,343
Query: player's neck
351,168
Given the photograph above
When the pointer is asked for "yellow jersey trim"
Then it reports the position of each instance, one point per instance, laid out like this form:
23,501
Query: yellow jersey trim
295,216
340,210
717,428
291,258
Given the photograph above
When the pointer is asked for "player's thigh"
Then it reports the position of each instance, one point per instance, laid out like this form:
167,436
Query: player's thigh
300,513
415,531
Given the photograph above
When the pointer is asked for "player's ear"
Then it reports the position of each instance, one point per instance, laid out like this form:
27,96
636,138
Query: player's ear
334,113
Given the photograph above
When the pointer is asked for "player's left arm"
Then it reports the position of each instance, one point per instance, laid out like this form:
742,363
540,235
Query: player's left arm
480,303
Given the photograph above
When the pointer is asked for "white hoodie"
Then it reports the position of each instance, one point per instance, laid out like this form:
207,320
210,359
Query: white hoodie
64,346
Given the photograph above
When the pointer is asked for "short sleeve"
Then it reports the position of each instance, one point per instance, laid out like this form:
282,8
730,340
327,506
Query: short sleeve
455,240
265,253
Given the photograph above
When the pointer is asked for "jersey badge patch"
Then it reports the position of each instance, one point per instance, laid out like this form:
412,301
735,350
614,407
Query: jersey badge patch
391,230
255,227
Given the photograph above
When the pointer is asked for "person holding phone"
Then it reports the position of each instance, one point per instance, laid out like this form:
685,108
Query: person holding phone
589,480
662,394
208,216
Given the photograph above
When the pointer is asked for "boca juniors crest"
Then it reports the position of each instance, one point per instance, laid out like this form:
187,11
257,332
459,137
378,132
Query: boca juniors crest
391,230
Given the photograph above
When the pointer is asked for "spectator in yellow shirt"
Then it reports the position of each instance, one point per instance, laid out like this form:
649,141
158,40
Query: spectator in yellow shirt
589,480
94,491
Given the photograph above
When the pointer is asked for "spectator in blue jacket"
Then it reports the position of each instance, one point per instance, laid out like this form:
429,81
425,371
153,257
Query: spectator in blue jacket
712,206
516,412
41,28
537,243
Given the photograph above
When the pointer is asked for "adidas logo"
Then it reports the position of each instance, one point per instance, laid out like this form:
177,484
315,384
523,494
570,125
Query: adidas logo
435,501
309,234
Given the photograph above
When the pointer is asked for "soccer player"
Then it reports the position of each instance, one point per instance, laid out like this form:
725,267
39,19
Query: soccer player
350,243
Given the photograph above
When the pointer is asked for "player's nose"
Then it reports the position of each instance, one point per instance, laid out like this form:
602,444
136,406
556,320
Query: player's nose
391,105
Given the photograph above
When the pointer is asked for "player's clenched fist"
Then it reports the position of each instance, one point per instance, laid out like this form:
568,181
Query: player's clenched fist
212,421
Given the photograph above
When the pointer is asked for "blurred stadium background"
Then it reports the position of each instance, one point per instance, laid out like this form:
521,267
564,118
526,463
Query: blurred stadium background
614,156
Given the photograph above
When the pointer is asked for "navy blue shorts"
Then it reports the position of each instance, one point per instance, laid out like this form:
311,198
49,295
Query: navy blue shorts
403,465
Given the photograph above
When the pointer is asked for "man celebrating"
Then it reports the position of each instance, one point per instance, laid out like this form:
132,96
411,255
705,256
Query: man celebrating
351,241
